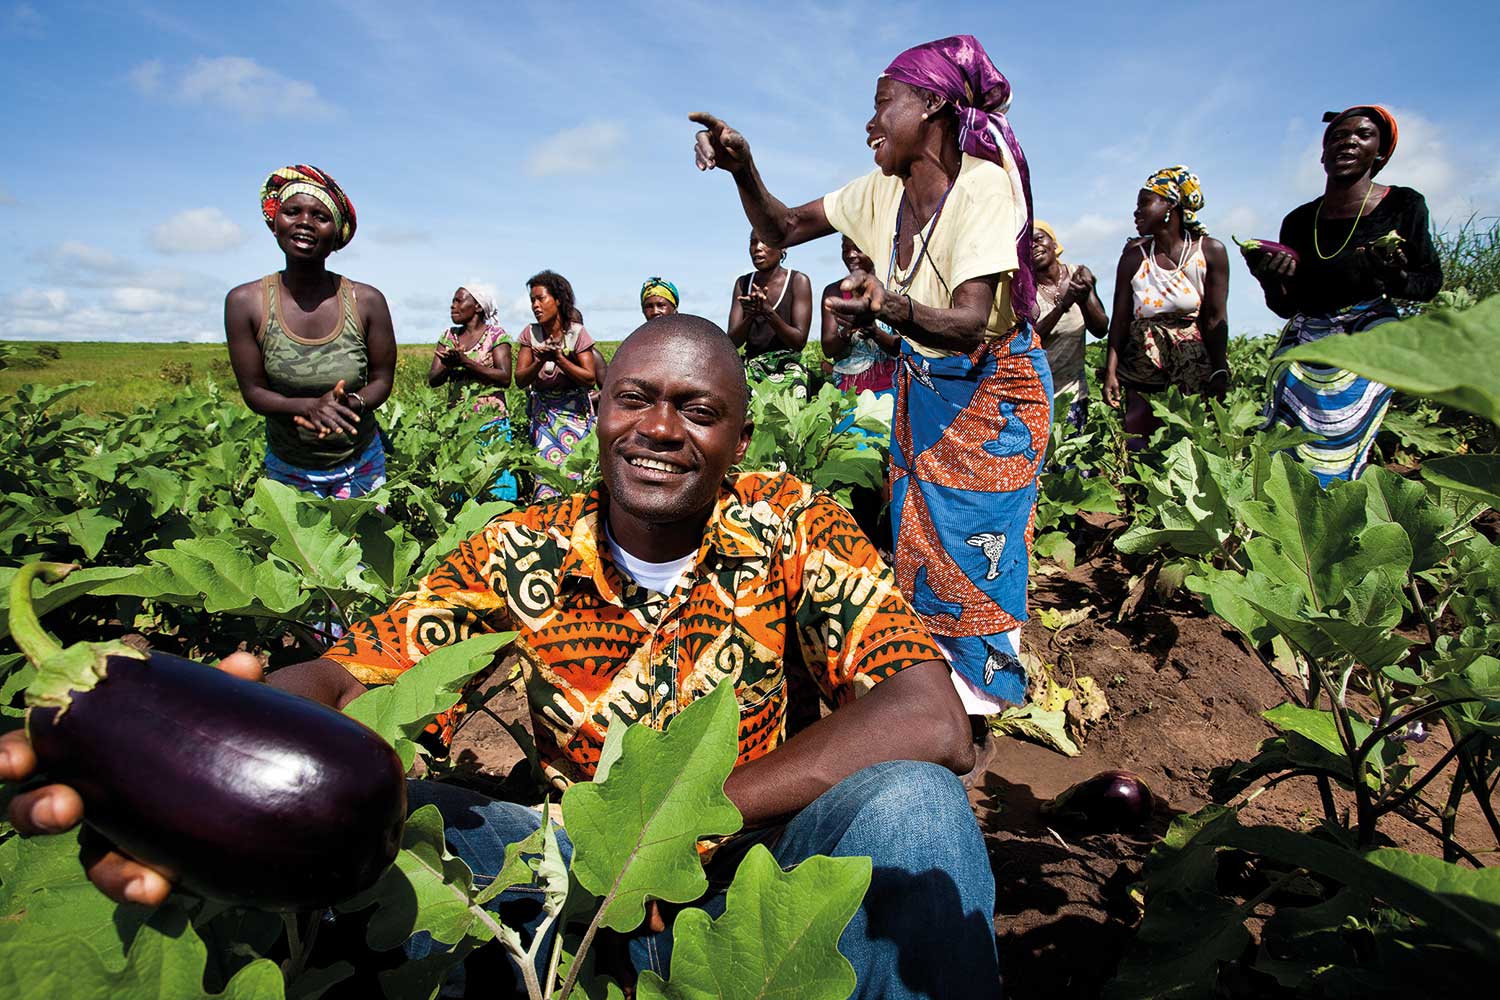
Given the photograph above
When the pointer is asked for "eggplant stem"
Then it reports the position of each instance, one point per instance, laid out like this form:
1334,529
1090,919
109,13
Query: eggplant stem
24,626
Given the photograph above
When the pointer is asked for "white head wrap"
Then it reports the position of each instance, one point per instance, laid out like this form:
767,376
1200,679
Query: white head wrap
484,294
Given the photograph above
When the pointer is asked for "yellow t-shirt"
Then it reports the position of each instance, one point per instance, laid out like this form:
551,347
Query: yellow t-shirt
975,236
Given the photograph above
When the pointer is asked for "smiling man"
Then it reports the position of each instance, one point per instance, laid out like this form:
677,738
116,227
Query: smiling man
675,576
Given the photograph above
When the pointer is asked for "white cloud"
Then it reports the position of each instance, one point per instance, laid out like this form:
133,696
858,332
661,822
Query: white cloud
134,299
146,77
197,230
87,257
34,301
1093,235
1241,220
585,149
232,83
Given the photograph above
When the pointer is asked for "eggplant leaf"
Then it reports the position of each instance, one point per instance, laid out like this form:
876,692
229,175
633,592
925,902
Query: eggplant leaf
778,935
635,833
399,711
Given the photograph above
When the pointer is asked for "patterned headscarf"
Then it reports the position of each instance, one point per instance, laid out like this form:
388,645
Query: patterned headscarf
303,179
1384,121
1179,185
958,70
1044,227
484,296
659,286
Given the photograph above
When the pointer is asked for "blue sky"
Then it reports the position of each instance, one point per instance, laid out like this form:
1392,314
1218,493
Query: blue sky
486,142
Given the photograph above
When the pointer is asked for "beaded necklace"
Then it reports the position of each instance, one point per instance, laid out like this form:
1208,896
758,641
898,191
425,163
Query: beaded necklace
911,275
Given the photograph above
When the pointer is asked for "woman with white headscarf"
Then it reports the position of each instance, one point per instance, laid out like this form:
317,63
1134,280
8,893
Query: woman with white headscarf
473,356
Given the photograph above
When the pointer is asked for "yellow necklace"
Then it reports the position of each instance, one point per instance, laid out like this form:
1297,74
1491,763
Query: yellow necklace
1357,216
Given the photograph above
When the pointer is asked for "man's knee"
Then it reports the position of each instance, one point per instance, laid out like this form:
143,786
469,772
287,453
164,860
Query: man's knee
914,810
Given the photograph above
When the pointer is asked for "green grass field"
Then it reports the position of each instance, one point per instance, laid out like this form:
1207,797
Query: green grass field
125,376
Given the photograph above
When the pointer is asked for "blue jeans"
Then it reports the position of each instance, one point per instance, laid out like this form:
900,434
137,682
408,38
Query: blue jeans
924,930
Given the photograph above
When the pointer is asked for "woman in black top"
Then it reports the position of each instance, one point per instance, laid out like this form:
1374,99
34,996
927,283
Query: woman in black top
1352,251
769,317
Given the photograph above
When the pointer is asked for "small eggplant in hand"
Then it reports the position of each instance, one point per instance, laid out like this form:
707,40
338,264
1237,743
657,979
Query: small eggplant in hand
1110,800
239,791
1263,247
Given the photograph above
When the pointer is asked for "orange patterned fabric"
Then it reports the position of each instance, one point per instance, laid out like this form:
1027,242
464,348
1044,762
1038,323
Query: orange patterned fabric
785,590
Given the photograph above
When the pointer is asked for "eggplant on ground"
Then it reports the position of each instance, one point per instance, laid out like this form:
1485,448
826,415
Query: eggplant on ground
237,790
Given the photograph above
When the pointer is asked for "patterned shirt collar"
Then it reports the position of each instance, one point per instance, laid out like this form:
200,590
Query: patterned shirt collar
588,557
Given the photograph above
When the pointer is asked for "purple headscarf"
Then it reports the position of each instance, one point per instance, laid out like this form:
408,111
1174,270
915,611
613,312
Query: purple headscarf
958,70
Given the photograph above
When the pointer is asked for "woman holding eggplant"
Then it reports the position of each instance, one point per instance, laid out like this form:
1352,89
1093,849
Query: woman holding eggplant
946,218
1341,261
1169,324
313,351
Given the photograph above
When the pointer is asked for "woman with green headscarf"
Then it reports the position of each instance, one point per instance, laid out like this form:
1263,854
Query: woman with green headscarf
1169,324
658,298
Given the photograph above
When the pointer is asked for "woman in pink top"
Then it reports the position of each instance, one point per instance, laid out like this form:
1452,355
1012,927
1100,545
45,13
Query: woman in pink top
556,362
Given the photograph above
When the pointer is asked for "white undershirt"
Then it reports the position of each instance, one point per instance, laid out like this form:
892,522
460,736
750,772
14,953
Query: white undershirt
662,577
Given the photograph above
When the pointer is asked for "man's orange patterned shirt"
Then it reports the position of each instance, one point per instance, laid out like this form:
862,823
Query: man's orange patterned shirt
787,599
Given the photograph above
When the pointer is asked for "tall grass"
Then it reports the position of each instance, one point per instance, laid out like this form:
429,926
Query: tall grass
1471,260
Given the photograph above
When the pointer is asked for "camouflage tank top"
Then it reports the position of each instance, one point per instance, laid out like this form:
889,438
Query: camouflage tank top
300,368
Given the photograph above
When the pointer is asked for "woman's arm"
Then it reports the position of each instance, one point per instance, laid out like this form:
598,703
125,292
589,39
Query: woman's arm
1213,315
740,318
437,374
959,327
578,367
720,146
496,372
1119,324
528,363
833,336
380,345
793,335
1421,274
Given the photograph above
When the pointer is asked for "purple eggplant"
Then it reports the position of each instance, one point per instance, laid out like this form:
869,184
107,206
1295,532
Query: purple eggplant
1268,247
1110,800
239,791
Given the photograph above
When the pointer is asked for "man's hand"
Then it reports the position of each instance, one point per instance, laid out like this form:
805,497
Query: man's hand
718,145
867,297
57,808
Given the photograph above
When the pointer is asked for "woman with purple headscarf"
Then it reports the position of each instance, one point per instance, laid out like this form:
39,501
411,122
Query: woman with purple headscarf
946,217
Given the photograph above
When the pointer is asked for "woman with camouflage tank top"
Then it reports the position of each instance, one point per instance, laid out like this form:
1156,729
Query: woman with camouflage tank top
312,350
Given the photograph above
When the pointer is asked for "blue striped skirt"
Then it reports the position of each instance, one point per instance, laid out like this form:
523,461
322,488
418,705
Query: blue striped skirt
1342,408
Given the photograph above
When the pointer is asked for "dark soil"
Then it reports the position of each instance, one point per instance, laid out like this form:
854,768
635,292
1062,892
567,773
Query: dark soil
1186,696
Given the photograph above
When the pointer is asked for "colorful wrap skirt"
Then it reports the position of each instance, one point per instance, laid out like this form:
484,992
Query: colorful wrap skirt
559,420
969,435
1165,350
782,369
364,473
1342,408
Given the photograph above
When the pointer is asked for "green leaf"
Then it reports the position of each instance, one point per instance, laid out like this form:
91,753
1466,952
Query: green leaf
778,936
1324,637
1475,475
635,834
303,534
1445,355
88,529
1314,724
1320,540
1057,546
166,959
1177,951
48,597
217,573
1237,598
399,711
1401,501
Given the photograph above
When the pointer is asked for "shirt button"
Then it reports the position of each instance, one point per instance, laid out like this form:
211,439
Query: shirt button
663,688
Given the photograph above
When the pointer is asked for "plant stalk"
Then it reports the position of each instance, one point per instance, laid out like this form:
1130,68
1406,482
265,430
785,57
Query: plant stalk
24,626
